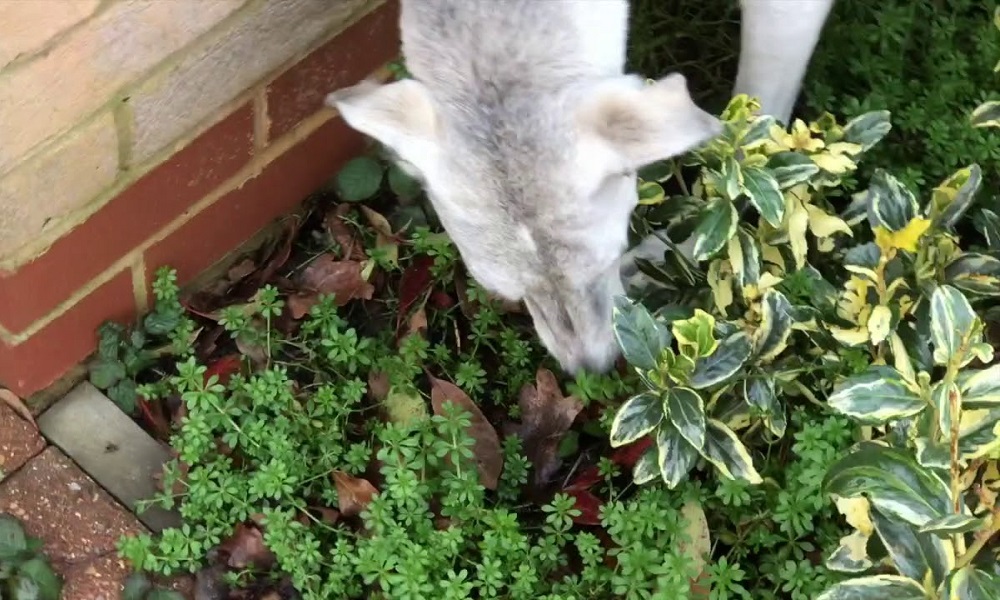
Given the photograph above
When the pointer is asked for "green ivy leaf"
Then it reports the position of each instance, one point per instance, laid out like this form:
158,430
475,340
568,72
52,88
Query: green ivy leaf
359,179
105,373
124,394
868,129
646,468
876,587
640,337
890,204
914,553
950,525
728,454
893,482
986,114
970,583
109,340
12,538
765,194
974,273
675,456
981,389
875,397
952,323
716,225
729,356
686,410
161,322
775,327
952,198
638,416
791,168
402,184
39,571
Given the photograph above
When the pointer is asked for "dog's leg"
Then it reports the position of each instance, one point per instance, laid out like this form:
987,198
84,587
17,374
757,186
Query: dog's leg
778,39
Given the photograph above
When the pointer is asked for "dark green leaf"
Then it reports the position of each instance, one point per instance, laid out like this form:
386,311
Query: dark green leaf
729,356
952,322
48,583
716,225
728,454
359,179
875,397
893,482
875,587
759,393
974,273
764,193
401,184
868,129
913,553
791,168
109,339
890,204
638,416
949,525
123,393
136,587
641,338
686,410
105,373
775,325
865,255
12,538
675,455
161,322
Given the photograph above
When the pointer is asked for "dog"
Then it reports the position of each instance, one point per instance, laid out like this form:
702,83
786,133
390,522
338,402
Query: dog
526,133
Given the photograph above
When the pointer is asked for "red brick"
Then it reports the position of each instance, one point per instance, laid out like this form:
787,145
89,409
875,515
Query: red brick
19,441
44,357
344,60
36,288
237,216
78,522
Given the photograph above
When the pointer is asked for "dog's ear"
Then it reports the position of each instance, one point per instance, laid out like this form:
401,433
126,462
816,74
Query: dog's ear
642,123
399,115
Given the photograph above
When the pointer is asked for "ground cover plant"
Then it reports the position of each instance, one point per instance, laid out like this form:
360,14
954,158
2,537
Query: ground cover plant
25,572
808,405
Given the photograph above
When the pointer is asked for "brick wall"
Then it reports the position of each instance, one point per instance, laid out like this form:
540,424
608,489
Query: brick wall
138,133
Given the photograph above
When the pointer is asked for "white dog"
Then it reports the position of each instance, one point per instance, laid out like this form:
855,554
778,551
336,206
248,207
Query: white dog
526,134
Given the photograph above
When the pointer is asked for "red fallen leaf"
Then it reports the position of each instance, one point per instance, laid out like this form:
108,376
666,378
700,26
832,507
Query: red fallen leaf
154,418
546,416
628,455
342,278
224,368
245,548
587,479
486,450
353,493
414,283
441,300
589,506
17,405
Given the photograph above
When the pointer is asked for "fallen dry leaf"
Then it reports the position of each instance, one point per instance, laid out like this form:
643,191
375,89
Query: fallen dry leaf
378,385
341,233
384,237
299,304
17,405
246,548
353,493
342,278
589,506
241,269
546,416
486,451
418,322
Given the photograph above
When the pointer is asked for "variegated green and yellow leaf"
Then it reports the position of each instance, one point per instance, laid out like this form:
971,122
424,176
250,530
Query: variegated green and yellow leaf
764,193
744,258
717,224
638,416
686,410
823,224
946,398
728,454
981,389
876,587
646,468
791,168
950,525
851,556
771,337
974,273
890,204
879,324
695,335
914,554
875,397
987,114
640,337
727,358
674,454
868,129
952,198
970,583
952,323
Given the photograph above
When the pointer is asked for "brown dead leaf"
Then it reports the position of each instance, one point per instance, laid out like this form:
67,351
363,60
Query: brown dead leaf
299,304
378,385
342,278
17,405
246,548
384,237
418,322
546,416
486,451
353,493
241,269
350,247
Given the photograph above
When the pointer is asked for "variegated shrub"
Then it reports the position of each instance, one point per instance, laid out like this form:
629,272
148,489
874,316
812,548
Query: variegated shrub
783,289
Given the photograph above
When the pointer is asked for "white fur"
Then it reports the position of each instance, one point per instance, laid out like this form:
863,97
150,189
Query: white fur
527,134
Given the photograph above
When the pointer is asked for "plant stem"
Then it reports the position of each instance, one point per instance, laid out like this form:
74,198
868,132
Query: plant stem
981,540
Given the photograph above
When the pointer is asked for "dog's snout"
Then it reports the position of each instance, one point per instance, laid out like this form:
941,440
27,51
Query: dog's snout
576,329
